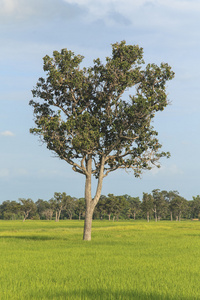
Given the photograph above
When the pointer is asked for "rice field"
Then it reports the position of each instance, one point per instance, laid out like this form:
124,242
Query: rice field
124,260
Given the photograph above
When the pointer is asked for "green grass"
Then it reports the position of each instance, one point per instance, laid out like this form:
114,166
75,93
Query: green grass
124,260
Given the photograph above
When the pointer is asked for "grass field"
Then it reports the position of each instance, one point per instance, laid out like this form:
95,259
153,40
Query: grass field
124,260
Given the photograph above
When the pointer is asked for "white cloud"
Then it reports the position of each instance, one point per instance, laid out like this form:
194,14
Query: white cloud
16,8
7,6
152,11
13,11
7,133
104,5
20,10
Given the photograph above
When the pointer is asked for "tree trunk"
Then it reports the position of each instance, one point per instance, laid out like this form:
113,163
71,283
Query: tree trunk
56,216
147,216
88,224
59,212
91,203
134,215
155,214
109,217
26,214
171,215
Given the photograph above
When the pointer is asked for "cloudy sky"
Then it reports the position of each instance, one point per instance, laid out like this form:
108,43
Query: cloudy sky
168,31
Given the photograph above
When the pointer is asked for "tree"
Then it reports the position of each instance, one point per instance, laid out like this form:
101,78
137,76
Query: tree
80,207
160,204
169,196
119,205
10,210
42,208
195,207
48,213
133,206
101,206
27,206
70,206
179,205
147,205
81,116
58,204
110,203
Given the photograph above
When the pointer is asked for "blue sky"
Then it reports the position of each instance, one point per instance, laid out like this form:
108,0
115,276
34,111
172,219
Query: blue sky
168,31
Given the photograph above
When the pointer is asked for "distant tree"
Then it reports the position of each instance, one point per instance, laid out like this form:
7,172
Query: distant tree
147,205
80,207
10,210
178,206
110,205
58,204
169,196
195,207
42,206
70,206
48,213
119,205
27,206
160,204
101,206
82,117
134,206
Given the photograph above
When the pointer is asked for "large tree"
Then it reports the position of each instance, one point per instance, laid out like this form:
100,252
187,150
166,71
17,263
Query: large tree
85,117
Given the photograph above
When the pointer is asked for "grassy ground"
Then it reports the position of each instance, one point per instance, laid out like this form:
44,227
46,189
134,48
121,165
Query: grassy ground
124,260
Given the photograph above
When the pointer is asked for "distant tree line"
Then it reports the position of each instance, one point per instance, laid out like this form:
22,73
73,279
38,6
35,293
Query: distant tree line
154,206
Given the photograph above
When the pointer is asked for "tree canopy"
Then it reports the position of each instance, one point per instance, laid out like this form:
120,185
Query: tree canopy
84,116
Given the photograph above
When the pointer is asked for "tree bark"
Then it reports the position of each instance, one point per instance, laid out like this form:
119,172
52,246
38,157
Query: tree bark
26,214
147,216
88,224
56,216
91,203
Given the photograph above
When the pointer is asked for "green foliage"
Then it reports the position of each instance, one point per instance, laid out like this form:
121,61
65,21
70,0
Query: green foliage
10,210
147,204
178,206
27,207
157,205
82,113
195,207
